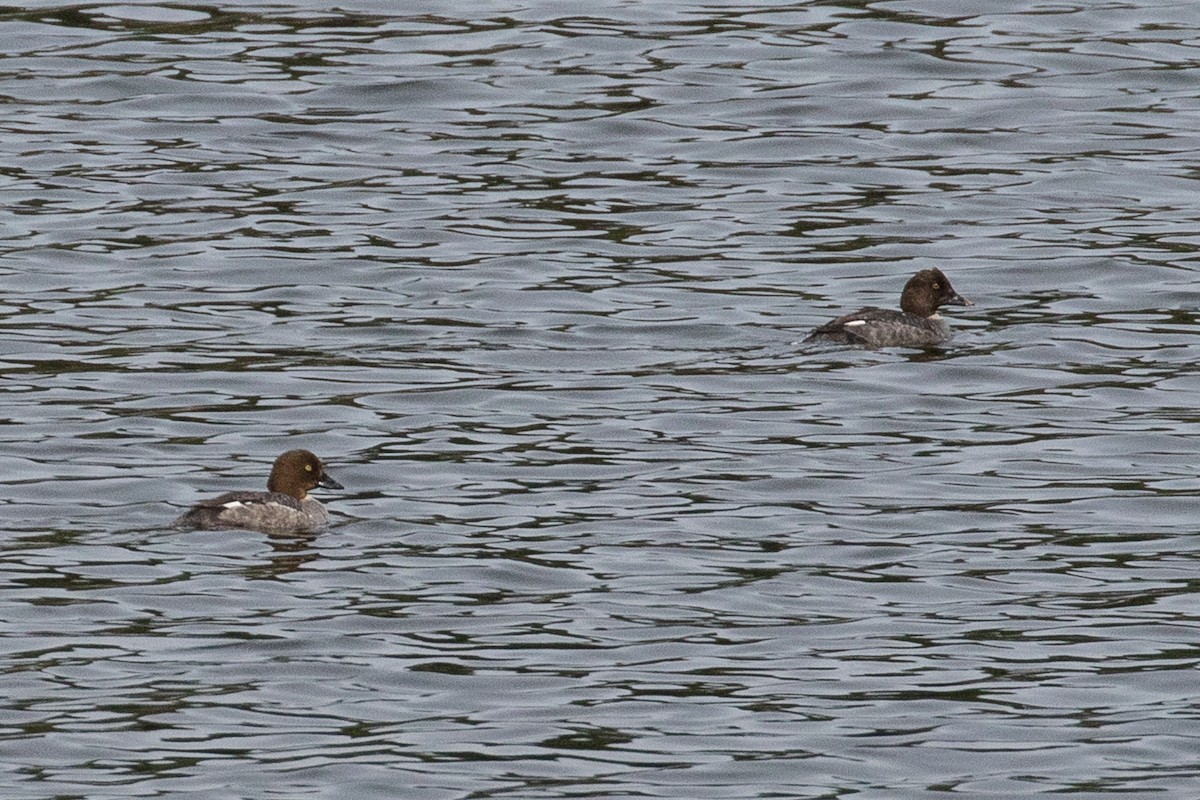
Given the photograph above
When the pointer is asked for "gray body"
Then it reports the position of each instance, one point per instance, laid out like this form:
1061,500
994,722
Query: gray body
257,511
882,327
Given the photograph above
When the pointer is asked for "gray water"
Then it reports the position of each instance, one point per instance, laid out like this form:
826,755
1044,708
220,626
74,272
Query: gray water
531,279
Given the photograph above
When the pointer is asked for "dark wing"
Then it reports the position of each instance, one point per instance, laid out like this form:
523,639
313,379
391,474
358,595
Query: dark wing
208,513
251,498
851,328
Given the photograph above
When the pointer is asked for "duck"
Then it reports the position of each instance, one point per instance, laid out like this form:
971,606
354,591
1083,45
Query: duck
285,507
916,324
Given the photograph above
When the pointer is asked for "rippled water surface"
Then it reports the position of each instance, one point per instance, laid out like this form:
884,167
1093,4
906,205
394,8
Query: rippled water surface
532,279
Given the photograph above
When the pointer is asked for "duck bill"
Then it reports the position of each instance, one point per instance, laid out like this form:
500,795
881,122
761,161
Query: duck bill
957,299
327,482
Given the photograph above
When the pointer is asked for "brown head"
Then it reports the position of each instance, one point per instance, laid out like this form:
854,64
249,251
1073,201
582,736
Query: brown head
928,290
297,471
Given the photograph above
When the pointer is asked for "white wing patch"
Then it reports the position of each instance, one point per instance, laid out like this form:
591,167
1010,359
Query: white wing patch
233,504
854,323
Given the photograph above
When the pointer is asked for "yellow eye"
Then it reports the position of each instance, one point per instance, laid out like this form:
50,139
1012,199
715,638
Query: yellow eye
308,467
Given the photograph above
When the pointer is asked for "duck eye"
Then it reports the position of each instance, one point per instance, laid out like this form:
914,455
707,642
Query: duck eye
308,467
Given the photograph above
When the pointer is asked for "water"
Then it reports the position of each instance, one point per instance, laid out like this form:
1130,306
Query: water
532,281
